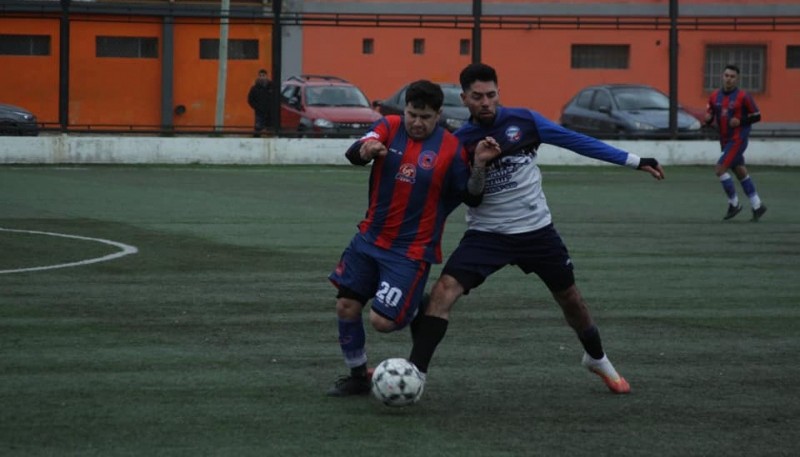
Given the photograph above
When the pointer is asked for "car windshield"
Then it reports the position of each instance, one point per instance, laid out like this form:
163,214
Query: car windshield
640,98
335,96
452,96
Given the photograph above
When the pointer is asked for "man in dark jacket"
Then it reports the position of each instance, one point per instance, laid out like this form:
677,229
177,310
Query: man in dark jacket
260,99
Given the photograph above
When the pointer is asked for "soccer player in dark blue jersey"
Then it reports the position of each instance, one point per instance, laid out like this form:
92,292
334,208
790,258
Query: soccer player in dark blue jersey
734,111
512,225
420,174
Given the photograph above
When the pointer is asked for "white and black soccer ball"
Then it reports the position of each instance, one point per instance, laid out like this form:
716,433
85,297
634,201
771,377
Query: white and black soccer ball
397,382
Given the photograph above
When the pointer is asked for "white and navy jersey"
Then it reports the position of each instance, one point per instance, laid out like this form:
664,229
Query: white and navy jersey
513,200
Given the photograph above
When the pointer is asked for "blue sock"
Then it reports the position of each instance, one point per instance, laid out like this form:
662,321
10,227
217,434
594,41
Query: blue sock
750,189
748,186
729,188
353,341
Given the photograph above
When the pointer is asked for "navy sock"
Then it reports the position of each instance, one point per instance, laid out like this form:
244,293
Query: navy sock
353,341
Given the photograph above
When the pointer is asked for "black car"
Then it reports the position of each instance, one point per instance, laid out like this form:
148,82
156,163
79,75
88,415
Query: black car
454,113
17,121
624,111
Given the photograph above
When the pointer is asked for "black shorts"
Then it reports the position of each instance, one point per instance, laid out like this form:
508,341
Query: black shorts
479,254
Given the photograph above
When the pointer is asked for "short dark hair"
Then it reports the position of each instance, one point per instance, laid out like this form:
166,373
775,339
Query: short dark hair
262,72
476,72
424,93
733,67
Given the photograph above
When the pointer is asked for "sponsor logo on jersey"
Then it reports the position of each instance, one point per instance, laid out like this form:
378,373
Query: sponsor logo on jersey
513,134
427,159
407,173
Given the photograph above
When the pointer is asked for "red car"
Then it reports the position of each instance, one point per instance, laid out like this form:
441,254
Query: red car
319,105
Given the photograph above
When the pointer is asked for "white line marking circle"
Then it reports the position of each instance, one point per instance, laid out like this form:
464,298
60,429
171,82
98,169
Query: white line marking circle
125,250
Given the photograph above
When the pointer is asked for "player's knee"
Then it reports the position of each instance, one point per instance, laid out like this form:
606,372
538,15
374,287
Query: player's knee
347,308
381,323
443,296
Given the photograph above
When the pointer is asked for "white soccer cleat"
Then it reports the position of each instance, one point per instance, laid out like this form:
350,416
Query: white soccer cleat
607,373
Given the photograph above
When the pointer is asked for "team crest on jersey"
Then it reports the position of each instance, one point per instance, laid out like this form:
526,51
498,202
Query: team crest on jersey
426,160
370,135
407,173
513,134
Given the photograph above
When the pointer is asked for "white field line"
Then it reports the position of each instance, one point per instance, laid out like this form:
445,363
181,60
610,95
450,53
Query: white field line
124,250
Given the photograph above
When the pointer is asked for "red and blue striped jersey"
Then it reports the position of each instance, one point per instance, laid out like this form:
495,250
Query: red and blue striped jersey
725,106
413,189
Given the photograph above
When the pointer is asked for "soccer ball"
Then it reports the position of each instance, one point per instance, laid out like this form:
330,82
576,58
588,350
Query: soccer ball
397,382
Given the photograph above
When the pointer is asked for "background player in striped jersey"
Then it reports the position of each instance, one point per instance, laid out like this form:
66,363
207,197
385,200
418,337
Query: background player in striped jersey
734,111
420,175
513,226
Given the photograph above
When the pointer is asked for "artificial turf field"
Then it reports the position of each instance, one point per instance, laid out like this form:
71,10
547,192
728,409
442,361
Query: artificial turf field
218,337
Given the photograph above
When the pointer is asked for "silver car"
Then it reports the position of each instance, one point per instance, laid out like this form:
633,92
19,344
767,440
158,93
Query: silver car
625,111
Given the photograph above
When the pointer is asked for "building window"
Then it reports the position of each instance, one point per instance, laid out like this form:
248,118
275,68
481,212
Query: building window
25,45
419,45
751,61
368,46
123,46
793,56
600,56
237,49
464,47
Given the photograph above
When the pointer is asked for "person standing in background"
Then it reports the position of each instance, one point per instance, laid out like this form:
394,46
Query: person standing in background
260,99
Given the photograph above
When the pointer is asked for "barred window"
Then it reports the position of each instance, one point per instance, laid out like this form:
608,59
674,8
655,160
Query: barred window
25,45
751,60
464,47
123,46
793,56
419,45
368,46
237,49
600,56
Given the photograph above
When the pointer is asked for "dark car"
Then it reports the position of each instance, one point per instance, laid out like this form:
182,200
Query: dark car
454,113
17,121
624,111
325,106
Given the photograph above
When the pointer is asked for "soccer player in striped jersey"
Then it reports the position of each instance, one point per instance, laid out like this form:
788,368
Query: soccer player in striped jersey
513,225
420,174
734,111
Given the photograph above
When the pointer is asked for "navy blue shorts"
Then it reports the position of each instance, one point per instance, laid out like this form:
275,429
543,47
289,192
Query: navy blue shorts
395,281
479,254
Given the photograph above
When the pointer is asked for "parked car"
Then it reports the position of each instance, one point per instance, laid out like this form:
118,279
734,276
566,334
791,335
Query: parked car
325,106
17,121
624,111
454,113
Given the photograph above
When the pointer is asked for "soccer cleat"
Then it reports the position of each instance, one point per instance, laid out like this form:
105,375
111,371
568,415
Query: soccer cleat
350,385
757,213
732,211
607,373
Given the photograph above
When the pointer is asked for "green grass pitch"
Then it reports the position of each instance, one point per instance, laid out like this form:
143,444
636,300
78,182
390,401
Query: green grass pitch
218,337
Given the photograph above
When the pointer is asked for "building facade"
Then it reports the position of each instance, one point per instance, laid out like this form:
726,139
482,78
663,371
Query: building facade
154,64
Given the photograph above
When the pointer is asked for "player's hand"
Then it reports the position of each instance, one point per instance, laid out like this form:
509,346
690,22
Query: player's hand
372,149
734,122
651,166
486,150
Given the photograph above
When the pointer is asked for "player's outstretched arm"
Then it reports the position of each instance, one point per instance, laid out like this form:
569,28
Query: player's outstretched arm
651,166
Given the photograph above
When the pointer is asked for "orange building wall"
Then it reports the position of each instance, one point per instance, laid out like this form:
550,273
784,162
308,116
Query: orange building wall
534,66
195,85
108,90
31,81
338,51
